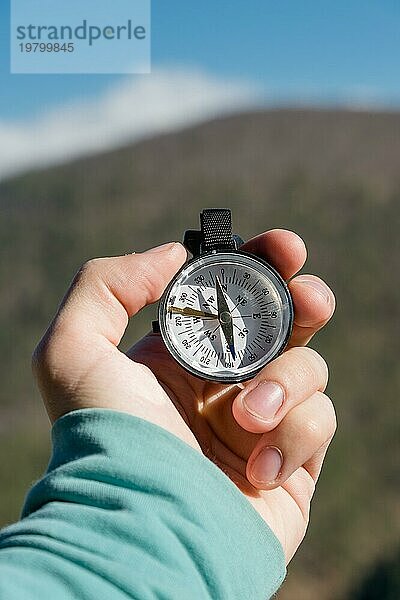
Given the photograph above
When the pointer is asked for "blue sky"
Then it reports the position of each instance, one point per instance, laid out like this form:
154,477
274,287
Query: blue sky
319,50
209,57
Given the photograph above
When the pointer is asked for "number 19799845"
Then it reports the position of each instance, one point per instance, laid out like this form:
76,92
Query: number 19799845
46,47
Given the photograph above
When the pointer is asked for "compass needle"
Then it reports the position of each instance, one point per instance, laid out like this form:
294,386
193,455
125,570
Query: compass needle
191,312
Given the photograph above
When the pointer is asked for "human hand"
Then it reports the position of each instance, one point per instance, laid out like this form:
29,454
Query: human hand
78,365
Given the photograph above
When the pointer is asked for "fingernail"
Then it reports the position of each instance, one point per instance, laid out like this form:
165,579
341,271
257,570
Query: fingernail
318,286
264,401
267,465
162,248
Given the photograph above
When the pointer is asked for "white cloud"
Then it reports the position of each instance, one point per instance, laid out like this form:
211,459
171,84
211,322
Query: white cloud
136,108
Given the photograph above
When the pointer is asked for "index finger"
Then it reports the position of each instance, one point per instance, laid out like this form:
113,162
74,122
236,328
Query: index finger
314,302
283,249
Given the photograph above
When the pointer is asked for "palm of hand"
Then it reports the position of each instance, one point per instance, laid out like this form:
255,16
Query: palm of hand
205,408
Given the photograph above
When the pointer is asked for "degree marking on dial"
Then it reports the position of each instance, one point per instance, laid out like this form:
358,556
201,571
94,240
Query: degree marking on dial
254,286
257,344
184,331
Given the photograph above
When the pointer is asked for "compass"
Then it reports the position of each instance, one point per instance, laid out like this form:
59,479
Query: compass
226,313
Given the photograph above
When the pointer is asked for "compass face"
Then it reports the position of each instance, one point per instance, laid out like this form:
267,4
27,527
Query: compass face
225,316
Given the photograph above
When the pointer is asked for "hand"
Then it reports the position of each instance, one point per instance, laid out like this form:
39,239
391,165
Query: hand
78,365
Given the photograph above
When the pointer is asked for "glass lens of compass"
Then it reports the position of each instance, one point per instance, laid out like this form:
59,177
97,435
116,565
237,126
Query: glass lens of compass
254,316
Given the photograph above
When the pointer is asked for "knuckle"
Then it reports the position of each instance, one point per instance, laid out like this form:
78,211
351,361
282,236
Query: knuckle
43,356
320,424
313,431
314,365
151,274
91,279
37,359
152,277
144,274
330,416
90,269
304,487
315,358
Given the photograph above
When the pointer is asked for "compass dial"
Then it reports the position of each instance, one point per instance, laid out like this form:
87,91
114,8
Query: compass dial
226,315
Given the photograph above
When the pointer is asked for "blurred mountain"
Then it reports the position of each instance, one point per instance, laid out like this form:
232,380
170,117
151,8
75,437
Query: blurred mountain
334,177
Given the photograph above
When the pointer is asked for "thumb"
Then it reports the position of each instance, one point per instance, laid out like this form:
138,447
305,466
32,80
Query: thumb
107,291
103,295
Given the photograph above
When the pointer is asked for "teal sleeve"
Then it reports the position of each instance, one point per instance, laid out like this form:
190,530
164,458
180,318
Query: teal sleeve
127,510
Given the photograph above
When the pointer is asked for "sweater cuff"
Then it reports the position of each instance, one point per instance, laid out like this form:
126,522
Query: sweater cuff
236,552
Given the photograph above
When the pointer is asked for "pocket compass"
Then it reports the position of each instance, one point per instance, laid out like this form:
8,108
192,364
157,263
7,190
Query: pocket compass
226,313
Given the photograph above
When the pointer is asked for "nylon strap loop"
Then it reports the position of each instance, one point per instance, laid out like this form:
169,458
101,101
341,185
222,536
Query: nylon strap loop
216,229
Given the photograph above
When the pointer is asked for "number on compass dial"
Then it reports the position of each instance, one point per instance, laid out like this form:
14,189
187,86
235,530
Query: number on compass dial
226,315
